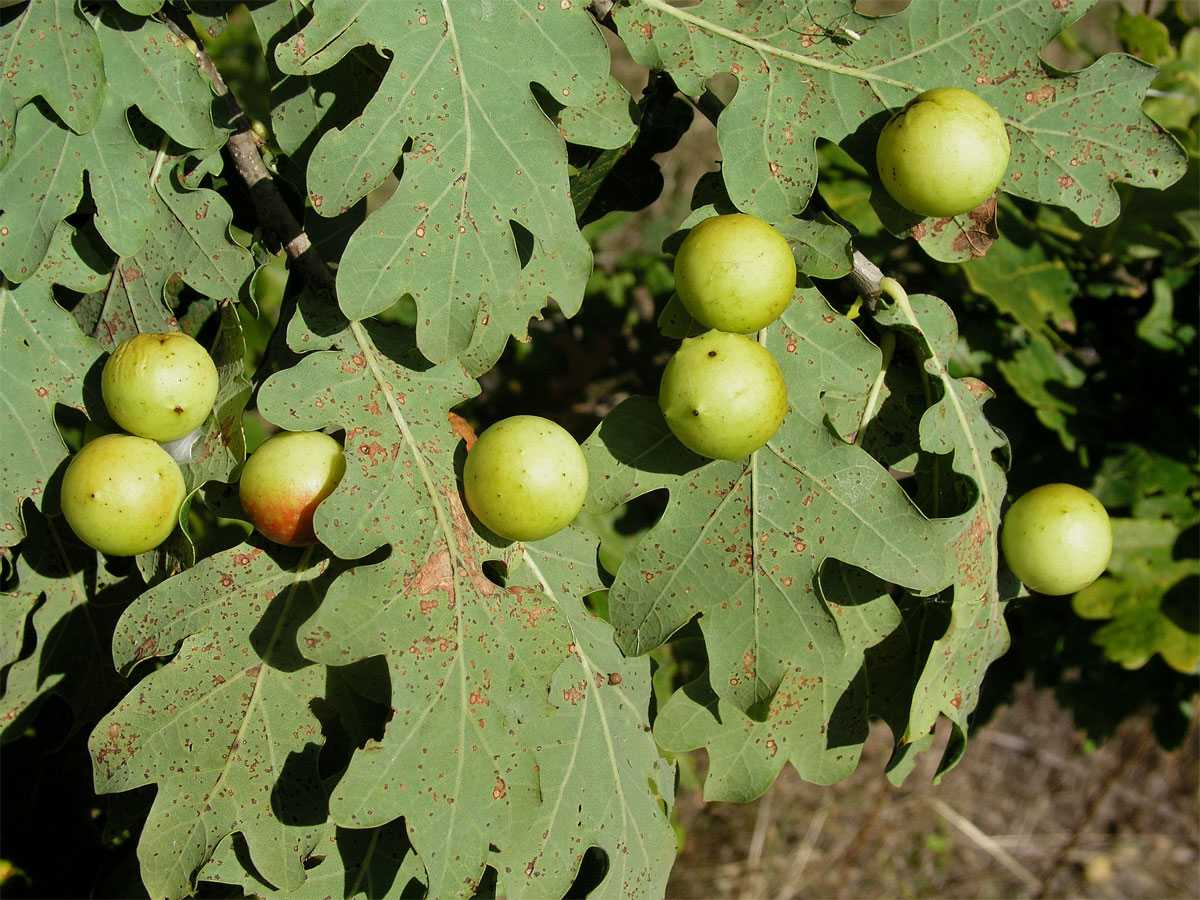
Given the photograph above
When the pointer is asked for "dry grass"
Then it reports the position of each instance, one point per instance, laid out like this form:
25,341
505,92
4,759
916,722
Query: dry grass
1027,813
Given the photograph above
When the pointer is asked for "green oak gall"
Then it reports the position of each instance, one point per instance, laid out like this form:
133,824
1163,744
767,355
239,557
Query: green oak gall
723,395
735,273
944,153
121,494
285,479
525,478
159,386
1056,539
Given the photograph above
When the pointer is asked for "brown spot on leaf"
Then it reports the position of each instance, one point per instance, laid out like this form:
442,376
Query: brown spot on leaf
573,694
435,574
146,648
981,233
462,428
748,660
1041,95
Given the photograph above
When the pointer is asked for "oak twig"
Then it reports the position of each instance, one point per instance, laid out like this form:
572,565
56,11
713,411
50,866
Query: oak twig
272,210
865,276
601,8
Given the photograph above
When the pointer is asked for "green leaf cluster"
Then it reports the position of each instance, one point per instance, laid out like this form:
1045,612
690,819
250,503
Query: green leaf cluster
384,242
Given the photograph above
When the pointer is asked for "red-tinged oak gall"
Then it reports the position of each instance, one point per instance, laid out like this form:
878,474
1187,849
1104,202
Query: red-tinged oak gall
284,481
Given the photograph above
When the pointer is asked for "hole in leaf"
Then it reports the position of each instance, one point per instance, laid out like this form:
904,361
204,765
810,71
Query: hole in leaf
524,240
642,512
296,798
382,852
724,85
10,12
402,312
546,101
487,885
495,572
71,424
597,604
356,709
937,490
592,870
621,528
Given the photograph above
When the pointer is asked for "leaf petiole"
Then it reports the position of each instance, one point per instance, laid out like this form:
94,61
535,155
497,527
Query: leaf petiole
887,345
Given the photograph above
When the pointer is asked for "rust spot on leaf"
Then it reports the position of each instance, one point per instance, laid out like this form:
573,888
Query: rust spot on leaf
1041,95
981,233
435,574
573,694
462,428
147,648
748,660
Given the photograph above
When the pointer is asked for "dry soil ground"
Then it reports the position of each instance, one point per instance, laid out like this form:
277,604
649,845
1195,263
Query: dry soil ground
1026,813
